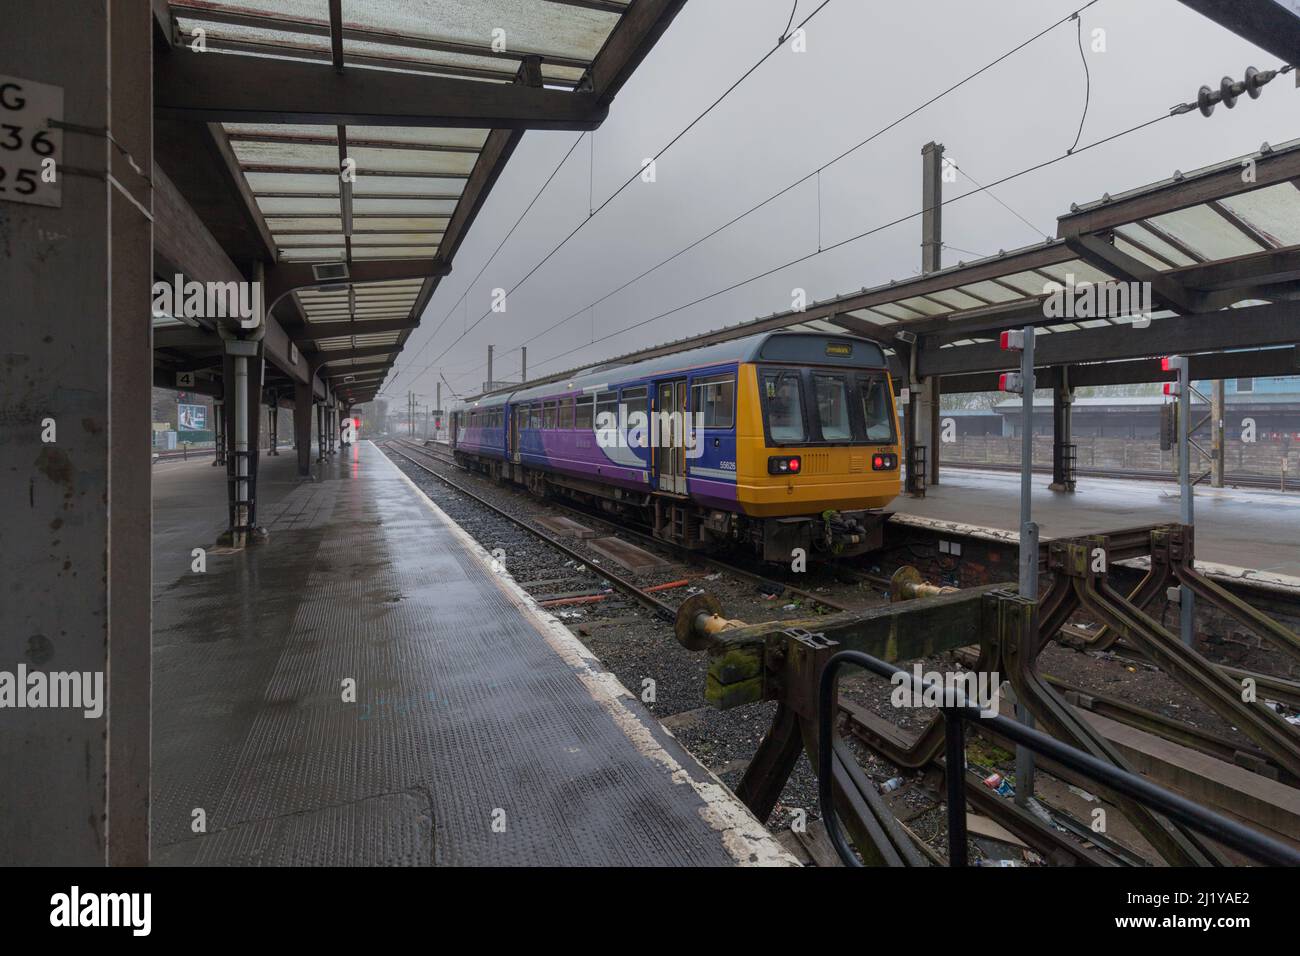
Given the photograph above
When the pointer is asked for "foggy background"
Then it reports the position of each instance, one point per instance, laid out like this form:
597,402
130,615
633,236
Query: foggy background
866,64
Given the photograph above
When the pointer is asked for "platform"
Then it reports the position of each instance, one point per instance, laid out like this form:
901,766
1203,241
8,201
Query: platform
482,732
1235,528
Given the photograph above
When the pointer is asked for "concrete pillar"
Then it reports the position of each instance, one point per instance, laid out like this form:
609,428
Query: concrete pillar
320,432
302,406
74,423
1063,451
1218,438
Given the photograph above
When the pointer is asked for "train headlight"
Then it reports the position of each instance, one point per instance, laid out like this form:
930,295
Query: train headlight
784,466
884,462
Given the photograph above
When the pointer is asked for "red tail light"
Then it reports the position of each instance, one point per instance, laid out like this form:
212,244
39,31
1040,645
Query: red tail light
784,466
794,464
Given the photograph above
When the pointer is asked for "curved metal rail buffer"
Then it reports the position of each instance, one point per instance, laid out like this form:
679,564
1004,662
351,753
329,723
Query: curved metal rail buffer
1173,561
781,660
1078,566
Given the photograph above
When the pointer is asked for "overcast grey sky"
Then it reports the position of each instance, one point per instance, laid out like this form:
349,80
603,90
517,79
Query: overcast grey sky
866,64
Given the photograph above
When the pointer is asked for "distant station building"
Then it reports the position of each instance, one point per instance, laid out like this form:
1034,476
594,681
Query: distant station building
1273,404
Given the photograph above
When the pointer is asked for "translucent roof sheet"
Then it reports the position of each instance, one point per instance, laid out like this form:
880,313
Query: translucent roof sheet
568,34
1206,232
409,181
1274,211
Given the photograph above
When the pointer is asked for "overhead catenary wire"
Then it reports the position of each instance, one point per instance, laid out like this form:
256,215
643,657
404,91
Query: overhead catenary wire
999,201
815,173
1087,85
631,179
862,235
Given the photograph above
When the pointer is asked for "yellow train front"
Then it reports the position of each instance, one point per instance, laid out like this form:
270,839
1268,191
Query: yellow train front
817,445
774,442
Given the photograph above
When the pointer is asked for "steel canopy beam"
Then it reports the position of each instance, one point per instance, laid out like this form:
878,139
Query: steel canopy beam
1174,194
1261,363
1258,327
289,276
329,330
628,43
1271,24
1103,255
204,88
330,356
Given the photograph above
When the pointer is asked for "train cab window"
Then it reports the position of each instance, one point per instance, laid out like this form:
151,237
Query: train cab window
876,409
833,407
783,400
606,404
564,416
548,415
583,411
715,399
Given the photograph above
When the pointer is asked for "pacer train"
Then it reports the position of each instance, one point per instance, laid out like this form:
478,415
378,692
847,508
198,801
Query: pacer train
773,442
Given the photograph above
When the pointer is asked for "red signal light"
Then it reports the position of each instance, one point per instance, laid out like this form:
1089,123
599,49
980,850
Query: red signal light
1012,340
1011,382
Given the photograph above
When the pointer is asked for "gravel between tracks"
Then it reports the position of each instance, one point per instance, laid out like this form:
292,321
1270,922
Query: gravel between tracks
642,652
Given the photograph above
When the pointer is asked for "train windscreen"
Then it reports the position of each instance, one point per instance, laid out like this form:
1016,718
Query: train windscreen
826,406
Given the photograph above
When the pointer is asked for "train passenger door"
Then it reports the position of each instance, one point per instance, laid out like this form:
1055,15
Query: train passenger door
670,436
515,412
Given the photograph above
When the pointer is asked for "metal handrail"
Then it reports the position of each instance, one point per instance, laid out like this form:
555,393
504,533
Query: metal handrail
1204,821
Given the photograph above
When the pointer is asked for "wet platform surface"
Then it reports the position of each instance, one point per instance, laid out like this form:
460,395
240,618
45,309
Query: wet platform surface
482,732
1243,528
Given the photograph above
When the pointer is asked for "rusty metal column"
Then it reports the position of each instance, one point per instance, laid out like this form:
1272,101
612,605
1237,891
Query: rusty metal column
75,406
1062,430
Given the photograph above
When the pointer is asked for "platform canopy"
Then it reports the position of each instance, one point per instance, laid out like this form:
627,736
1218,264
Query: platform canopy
348,144
1219,250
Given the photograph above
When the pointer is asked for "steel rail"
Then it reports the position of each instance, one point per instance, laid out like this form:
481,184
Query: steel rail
661,610
684,554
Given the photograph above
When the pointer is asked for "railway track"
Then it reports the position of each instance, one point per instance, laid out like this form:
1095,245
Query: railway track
684,555
1049,840
661,609
1236,481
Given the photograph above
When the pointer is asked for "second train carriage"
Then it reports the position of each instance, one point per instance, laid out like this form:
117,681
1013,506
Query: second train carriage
777,441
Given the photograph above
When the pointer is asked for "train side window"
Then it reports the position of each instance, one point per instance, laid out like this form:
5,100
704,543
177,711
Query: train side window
564,419
535,416
715,399
875,409
606,405
583,411
634,399
783,399
548,415
833,407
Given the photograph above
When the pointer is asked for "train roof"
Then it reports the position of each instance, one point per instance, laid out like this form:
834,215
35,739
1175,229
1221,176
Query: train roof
805,348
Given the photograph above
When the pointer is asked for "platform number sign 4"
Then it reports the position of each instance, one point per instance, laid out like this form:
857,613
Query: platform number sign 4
30,149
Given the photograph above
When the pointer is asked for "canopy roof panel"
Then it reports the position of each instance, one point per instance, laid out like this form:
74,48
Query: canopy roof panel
403,186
